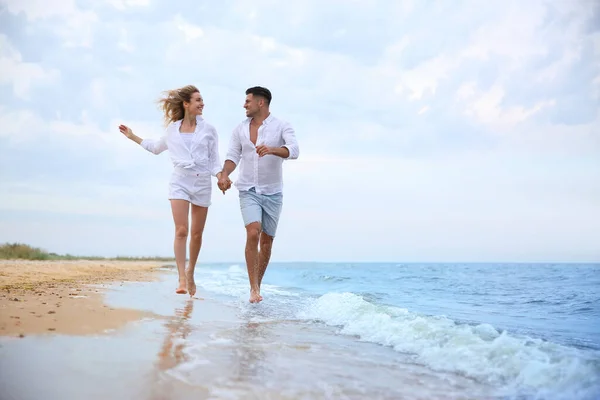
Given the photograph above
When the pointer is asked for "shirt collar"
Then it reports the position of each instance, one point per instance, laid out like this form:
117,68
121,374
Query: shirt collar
199,119
268,119
265,122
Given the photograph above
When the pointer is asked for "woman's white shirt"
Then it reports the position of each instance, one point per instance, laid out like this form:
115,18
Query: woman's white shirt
196,153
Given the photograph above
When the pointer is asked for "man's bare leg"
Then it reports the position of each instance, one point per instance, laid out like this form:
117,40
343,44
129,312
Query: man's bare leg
264,255
180,209
252,238
198,222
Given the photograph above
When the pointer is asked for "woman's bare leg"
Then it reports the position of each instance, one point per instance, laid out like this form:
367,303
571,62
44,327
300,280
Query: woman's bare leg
180,209
198,221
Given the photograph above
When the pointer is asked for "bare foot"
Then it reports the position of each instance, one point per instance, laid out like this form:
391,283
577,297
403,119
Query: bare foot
255,297
181,289
191,284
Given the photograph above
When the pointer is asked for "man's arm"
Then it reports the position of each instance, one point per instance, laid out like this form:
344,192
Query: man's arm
233,157
289,150
282,152
290,142
234,154
228,168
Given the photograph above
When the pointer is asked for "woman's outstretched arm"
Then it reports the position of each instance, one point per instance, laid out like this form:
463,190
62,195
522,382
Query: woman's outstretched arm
153,146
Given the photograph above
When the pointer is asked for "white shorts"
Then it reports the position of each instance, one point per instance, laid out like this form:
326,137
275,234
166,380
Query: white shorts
195,188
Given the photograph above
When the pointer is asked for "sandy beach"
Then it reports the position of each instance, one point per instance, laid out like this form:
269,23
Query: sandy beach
66,296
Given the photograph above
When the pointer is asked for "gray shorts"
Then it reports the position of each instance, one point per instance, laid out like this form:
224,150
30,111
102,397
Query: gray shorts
263,208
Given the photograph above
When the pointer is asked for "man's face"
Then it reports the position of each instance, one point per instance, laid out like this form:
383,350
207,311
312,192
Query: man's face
252,105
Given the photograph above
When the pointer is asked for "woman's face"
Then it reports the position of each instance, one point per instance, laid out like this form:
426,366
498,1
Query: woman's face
196,104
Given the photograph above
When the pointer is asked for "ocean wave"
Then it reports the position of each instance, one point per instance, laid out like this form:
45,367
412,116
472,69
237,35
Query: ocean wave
234,282
333,278
312,276
517,365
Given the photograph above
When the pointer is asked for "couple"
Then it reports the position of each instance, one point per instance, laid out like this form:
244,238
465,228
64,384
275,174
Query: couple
259,144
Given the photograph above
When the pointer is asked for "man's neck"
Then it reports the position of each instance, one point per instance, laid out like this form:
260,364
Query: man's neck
259,119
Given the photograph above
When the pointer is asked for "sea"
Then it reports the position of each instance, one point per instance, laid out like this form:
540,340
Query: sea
335,331
524,331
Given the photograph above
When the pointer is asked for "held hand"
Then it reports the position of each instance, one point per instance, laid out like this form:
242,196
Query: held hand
125,130
224,182
263,150
224,186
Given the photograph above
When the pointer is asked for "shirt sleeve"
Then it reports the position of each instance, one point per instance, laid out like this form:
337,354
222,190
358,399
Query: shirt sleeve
234,153
215,160
155,146
290,142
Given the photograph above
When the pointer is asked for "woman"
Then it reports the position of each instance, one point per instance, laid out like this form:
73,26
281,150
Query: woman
193,145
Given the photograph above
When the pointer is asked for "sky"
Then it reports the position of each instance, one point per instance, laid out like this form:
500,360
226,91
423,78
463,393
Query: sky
429,131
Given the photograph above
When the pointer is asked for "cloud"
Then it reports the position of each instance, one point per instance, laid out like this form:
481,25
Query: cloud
22,75
446,132
124,43
125,4
38,9
189,30
486,107
74,25
99,98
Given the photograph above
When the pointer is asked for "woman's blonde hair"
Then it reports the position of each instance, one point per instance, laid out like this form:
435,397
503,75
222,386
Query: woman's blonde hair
172,102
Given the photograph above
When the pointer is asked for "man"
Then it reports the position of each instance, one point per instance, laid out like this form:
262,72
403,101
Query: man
259,144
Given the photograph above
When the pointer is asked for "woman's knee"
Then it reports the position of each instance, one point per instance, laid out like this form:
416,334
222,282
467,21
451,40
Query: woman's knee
197,236
181,232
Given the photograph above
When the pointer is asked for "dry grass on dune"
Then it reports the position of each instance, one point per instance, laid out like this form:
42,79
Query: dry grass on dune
13,251
20,251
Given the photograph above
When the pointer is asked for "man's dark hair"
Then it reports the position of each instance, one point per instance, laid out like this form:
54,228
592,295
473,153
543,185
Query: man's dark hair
260,91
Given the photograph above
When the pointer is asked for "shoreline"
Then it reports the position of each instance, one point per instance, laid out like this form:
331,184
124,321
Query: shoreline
67,296
216,348
293,345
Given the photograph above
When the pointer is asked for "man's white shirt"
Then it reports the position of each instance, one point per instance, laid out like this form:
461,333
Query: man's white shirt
265,174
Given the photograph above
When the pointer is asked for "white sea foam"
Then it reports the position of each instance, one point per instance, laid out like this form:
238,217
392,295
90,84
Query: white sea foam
517,365
234,282
221,341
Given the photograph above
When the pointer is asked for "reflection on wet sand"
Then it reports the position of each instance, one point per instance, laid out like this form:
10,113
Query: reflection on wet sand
178,328
239,366
171,354
252,338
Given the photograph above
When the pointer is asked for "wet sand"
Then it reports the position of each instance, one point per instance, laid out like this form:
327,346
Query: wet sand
214,349
66,296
